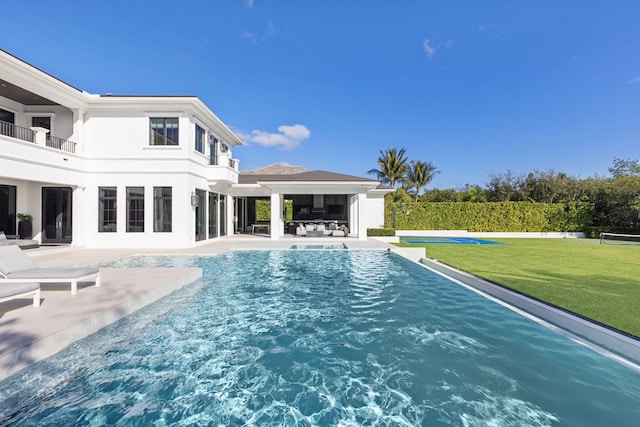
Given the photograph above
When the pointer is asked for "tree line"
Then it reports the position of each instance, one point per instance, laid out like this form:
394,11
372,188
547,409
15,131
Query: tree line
614,200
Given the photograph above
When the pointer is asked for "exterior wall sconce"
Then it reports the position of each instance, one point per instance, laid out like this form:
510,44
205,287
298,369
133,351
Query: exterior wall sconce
194,200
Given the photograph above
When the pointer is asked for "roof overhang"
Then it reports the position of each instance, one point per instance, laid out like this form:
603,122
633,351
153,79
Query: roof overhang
265,188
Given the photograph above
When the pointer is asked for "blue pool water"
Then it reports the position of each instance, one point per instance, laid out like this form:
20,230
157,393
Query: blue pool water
429,240
326,337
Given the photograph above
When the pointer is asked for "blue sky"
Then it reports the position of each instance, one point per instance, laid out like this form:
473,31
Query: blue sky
476,87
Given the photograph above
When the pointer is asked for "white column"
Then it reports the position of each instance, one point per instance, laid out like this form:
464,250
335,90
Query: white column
230,215
78,126
78,213
362,216
276,216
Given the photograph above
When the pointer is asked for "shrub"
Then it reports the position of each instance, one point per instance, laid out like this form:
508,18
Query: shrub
381,232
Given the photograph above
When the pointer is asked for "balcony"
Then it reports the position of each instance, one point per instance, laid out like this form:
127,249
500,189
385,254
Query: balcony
29,135
225,172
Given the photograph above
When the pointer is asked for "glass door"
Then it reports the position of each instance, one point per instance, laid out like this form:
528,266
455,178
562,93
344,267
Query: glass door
201,215
56,215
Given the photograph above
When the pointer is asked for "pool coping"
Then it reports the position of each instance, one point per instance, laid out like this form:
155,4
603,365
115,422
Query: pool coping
589,333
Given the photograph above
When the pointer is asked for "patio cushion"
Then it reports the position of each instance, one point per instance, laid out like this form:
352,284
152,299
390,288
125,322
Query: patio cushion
9,289
52,273
13,260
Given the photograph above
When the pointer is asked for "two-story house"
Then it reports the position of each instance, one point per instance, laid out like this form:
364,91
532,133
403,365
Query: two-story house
111,171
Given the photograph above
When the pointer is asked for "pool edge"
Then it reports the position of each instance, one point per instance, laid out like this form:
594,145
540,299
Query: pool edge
605,338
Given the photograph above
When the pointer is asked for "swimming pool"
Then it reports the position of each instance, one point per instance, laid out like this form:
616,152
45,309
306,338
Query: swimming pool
322,338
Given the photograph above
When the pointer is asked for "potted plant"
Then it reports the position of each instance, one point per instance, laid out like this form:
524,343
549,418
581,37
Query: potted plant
25,228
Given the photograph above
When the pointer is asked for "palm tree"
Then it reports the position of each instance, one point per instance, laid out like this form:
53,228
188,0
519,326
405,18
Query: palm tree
393,166
419,175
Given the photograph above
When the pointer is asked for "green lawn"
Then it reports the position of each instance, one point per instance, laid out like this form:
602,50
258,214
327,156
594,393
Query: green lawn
601,282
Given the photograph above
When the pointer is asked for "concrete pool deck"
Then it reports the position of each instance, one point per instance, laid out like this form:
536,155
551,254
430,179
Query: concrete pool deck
29,334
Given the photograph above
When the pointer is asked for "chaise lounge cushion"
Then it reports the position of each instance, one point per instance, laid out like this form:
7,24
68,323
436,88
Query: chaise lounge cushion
53,273
15,265
10,289
12,260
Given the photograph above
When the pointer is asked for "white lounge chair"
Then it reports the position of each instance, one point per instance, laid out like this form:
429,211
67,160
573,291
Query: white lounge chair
14,290
15,266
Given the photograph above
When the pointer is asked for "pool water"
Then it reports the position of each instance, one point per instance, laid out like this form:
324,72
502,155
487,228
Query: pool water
322,338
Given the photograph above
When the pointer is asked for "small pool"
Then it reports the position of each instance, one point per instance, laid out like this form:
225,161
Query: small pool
322,338
427,240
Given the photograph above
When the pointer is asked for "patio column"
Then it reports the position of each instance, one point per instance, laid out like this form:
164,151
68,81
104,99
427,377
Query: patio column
276,216
362,216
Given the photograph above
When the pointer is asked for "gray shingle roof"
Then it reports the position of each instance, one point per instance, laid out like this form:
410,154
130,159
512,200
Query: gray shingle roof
309,176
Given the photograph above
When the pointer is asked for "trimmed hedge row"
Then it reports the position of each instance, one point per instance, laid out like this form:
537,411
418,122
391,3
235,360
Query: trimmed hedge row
386,232
489,216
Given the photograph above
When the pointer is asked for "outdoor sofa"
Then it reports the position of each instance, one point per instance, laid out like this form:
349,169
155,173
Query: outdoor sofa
320,230
16,266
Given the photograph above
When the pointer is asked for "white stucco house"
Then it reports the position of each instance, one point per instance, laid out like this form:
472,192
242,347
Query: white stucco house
142,171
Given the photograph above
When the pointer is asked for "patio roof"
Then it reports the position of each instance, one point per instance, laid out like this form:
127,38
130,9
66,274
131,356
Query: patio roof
308,176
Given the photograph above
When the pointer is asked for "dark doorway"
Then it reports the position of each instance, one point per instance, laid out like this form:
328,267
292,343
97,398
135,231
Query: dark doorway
56,215
8,209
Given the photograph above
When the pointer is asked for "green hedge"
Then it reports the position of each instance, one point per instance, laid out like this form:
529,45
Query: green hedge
491,216
381,232
263,210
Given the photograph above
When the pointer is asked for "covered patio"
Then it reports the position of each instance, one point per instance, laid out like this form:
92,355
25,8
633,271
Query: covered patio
314,203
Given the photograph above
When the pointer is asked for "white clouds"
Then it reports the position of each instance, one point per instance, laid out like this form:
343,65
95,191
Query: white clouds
634,80
288,138
250,36
428,49
270,31
250,4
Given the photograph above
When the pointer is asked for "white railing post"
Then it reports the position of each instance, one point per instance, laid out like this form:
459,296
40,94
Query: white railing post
40,135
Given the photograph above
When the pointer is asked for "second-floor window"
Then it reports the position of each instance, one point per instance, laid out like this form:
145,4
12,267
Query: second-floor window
163,131
213,150
41,122
200,139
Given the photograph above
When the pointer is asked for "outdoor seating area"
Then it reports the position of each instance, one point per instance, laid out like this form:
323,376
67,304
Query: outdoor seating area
17,267
322,229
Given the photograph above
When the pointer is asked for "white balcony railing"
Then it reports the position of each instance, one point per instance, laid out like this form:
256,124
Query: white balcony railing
29,135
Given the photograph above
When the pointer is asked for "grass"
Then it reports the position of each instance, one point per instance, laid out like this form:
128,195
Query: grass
600,282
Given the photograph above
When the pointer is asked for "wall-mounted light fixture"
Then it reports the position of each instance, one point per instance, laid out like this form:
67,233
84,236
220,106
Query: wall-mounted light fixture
194,200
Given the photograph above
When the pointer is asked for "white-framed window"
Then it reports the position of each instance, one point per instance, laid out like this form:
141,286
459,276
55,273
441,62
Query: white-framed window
163,131
107,209
135,209
201,136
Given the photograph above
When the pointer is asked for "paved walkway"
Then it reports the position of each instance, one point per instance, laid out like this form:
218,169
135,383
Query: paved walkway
29,334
